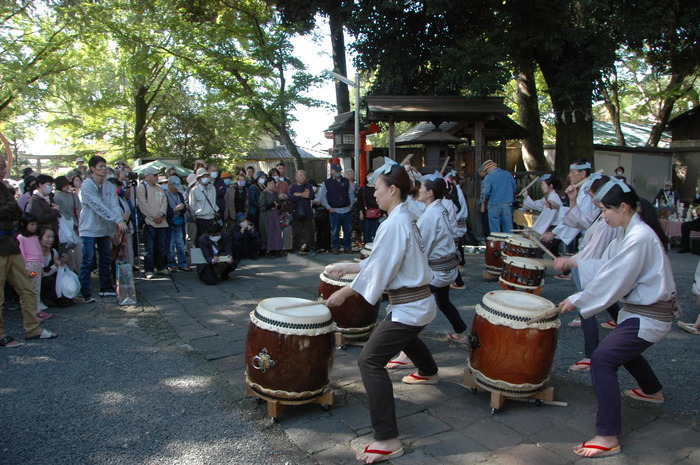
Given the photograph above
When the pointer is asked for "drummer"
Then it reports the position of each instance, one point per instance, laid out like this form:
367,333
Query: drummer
634,269
548,206
399,264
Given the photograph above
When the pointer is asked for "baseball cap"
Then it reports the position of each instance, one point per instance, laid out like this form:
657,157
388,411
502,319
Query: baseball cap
336,167
150,170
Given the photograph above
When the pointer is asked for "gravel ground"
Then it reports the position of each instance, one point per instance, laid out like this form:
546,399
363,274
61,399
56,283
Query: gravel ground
113,394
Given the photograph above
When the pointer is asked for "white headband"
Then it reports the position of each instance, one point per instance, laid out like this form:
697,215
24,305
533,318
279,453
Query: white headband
598,197
544,177
384,169
431,177
595,176
585,166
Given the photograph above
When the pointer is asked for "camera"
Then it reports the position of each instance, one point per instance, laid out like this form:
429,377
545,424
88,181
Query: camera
133,178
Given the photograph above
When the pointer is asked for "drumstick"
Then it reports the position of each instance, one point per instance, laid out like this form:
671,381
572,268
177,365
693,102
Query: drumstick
555,403
406,159
530,185
541,246
578,184
444,165
548,314
309,303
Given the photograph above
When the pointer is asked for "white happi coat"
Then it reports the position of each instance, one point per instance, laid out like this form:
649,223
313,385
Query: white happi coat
548,216
438,236
540,204
597,238
573,221
634,269
398,260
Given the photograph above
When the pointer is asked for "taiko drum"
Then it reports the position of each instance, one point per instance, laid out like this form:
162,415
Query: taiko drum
521,247
355,318
506,354
289,352
522,274
495,245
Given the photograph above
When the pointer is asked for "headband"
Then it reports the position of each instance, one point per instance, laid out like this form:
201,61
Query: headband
431,177
595,176
451,173
384,169
598,197
544,177
584,166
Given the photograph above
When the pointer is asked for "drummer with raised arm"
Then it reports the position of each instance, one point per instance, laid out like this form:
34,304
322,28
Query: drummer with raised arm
634,269
399,265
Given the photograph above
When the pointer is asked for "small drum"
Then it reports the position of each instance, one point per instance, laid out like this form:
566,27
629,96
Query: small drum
521,247
289,352
356,318
495,244
522,274
506,354
366,250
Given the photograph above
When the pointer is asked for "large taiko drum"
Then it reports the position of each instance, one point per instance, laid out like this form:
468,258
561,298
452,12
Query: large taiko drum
495,244
356,318
521,247
366,250
522,274
289,352
507,355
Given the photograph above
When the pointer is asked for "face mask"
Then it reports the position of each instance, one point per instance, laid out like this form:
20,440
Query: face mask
261,181
164,186
48,189
276,178
215,238
241,183
204,181
227,182
336,174
214,174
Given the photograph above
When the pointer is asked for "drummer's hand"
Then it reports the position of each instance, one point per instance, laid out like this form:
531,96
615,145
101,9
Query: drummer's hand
547,237
564,263
339,297
566,306
553,205
524,193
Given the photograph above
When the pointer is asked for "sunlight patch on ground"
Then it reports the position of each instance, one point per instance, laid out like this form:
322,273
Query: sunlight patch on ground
188,384
23,360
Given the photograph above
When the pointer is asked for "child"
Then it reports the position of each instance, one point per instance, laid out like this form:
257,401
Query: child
31,252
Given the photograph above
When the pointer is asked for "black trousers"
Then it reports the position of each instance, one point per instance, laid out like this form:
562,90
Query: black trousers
388,339
686,229
442,297
208,273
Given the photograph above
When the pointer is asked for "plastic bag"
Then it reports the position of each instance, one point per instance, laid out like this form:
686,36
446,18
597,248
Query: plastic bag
126,290
67,283
66,232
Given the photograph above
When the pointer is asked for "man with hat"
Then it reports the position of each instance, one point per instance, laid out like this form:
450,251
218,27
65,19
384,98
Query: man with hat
498,191
203,202
80,166
667,197
337,197
177,207
153,207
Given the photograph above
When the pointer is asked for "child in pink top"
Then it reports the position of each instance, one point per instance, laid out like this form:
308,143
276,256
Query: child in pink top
33,259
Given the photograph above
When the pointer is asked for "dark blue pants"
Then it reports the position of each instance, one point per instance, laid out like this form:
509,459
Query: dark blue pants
155,248
103,249
590,330
344,221
621,347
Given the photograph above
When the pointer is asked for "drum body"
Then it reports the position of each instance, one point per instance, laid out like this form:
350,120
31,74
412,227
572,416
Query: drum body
522,274
289,353
366,250
506,354
356,318
495,245
521,247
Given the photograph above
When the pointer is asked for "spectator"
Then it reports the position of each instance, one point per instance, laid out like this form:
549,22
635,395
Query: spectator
229,201
27,189
219,185
51,263
337,197
80,166
119,166
246,240
321,221
26,172
199,164
41,205
253,198
152,204
280,169
690,226
77,183
620,173
12,270
240,196
99,212
285,207
250,175
203,202
368,210
301,194
694,328
667,197
498,191
270,230
30,247
122,242
177,207
216,249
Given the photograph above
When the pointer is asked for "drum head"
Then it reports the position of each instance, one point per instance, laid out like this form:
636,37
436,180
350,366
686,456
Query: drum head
521,242
514,309
311,319
523,263
343,281
498,236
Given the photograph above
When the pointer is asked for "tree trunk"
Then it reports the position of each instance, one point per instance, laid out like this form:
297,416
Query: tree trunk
529,116
342,95
141,113
574,128
673,94
611,99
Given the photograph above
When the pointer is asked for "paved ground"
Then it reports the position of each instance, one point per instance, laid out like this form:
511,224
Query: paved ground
163,383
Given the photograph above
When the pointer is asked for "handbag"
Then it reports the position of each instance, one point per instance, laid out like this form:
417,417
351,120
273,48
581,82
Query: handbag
372,213
126,290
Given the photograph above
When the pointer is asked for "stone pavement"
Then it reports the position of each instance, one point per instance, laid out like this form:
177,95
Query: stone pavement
444,423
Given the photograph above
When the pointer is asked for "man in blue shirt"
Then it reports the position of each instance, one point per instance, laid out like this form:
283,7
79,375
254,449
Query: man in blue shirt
498,190
338,198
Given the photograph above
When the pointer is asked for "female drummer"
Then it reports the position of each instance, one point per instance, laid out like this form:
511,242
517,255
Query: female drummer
634,269
399,264
548,206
